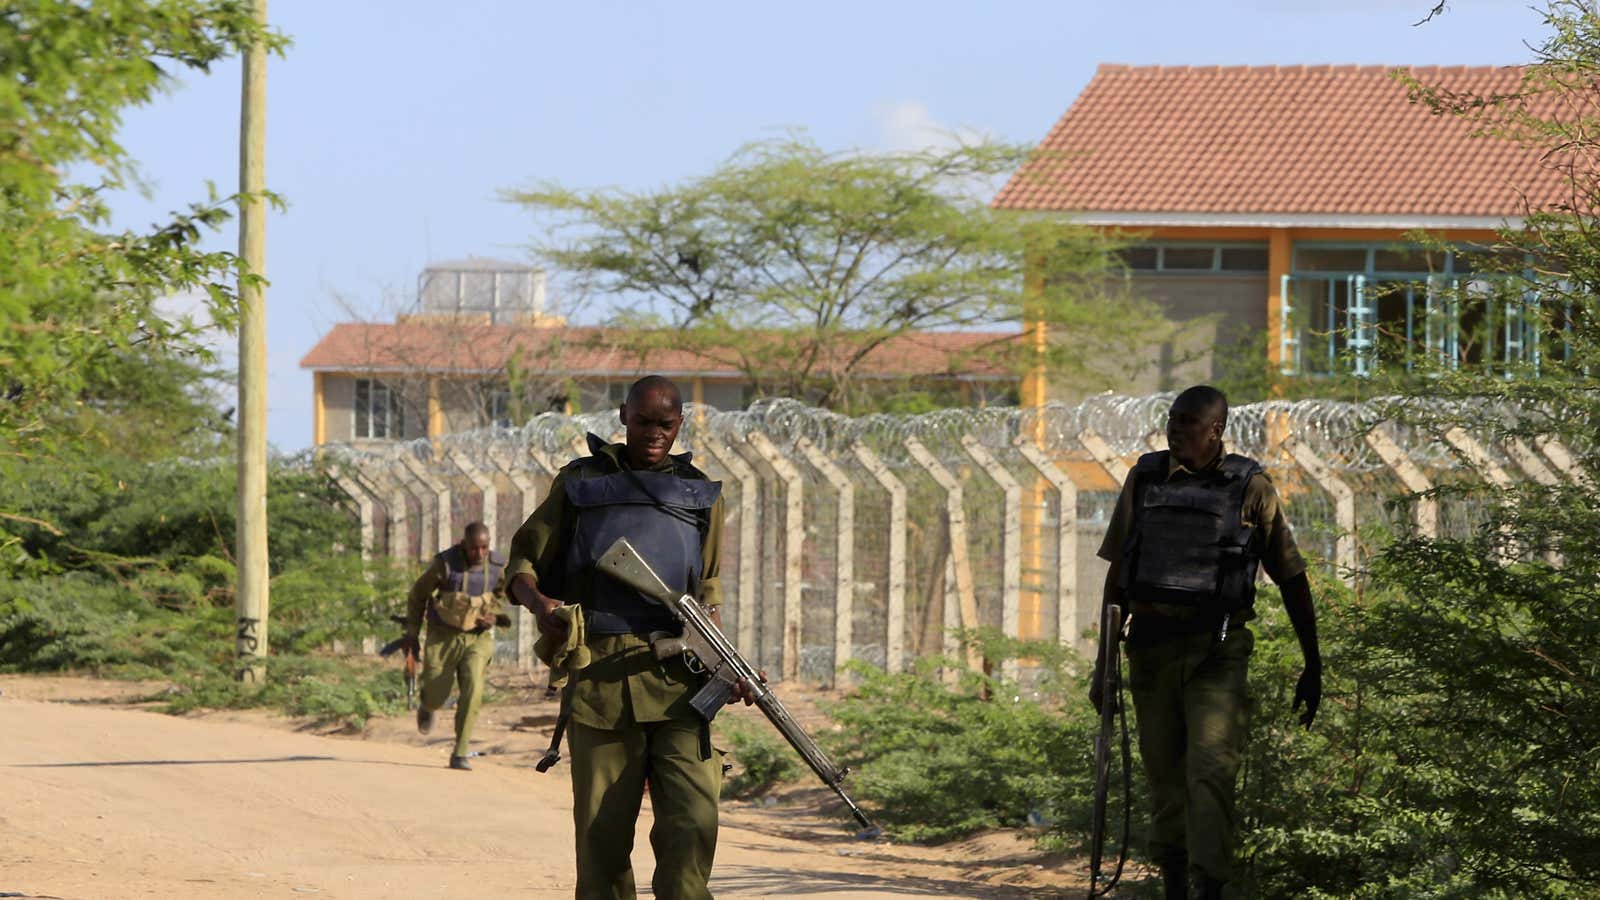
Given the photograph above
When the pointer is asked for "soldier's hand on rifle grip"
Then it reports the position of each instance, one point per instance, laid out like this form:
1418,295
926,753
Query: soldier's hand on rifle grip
1095,690
410,645
746,691
1308,691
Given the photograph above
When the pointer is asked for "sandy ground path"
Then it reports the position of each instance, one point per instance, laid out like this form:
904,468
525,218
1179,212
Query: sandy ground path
101,802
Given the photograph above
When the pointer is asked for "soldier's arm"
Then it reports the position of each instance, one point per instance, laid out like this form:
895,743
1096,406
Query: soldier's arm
1112,544
711,560
421,592
1287,569
1111,551
537,549
1284,565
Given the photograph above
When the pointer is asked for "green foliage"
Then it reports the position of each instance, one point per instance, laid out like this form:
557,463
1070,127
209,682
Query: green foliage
935,761
762,759
796,266
140,584
81,333
321,688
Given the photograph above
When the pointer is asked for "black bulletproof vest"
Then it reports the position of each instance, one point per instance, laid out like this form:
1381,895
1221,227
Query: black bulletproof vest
664,515
1189,545
471,581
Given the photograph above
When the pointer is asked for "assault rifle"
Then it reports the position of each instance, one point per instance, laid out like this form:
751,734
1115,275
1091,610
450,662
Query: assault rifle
710,652
411,662
1109,672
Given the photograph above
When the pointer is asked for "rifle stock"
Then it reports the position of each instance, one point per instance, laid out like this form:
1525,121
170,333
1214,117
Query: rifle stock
1108,669
725,667
411,662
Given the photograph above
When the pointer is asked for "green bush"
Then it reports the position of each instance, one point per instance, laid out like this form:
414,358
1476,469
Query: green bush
140,585
761,758
936,761
346,691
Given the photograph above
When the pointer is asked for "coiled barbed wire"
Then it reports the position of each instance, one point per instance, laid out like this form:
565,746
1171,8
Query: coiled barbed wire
1334,430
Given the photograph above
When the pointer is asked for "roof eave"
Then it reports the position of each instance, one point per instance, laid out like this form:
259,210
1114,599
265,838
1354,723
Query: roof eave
333,369
1394,221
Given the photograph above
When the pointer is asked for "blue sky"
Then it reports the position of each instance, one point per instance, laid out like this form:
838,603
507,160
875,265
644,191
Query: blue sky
393,126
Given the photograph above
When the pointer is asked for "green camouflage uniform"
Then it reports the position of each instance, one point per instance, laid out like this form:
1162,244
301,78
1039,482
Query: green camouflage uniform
1190,692
631,721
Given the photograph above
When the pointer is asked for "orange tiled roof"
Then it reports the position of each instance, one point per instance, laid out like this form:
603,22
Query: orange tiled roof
470,348
1306,140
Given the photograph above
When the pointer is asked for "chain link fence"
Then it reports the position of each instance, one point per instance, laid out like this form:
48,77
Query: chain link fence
874,537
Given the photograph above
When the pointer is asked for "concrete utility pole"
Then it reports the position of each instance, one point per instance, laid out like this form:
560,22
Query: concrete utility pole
251,540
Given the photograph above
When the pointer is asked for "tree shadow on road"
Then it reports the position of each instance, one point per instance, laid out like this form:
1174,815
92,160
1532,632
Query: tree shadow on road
763,881
213,762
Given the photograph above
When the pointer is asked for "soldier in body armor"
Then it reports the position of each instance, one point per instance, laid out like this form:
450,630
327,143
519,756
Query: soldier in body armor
629,712
1191,527
461,597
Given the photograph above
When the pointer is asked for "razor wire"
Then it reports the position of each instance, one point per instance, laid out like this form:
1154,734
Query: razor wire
980,448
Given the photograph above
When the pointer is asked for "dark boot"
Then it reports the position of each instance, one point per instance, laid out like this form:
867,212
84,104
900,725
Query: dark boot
1210,888
1175,878
460,762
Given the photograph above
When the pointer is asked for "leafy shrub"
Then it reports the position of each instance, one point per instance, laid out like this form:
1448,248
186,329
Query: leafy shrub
937,761
347,691
761,758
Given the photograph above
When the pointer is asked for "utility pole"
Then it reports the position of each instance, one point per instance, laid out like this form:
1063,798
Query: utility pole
250,551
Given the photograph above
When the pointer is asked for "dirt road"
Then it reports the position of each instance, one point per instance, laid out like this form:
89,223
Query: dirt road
108,803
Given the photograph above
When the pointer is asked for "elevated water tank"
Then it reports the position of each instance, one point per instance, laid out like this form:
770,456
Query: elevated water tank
505,292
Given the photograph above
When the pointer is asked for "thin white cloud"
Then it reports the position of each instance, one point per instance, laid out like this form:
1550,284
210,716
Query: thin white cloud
908,126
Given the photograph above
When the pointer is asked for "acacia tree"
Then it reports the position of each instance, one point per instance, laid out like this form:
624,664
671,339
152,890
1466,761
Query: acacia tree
79,314
798,267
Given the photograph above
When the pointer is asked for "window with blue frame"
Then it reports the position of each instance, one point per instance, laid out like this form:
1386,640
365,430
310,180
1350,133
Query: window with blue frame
1351,308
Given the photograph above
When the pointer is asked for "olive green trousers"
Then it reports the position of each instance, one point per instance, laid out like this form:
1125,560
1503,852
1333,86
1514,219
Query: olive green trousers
454,656
1191,698
609,772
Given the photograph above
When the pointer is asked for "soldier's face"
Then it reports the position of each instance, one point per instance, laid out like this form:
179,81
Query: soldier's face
652,423
1194,432
477,549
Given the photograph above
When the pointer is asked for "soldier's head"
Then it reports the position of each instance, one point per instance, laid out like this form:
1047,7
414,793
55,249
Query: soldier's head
1195,424
475,543
652,415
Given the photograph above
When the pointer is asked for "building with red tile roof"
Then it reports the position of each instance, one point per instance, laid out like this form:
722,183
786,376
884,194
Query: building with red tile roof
1280,198
449,366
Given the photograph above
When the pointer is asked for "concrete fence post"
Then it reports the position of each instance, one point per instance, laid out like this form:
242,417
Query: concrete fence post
1529,462
484,482
392,491
895,640
1478,456
439,489
1426,512
363,496
1562,459
746,600
1344,505
1010,540
1067,625
1480,459
960,566
793,548
527,489
844,572
1101,452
